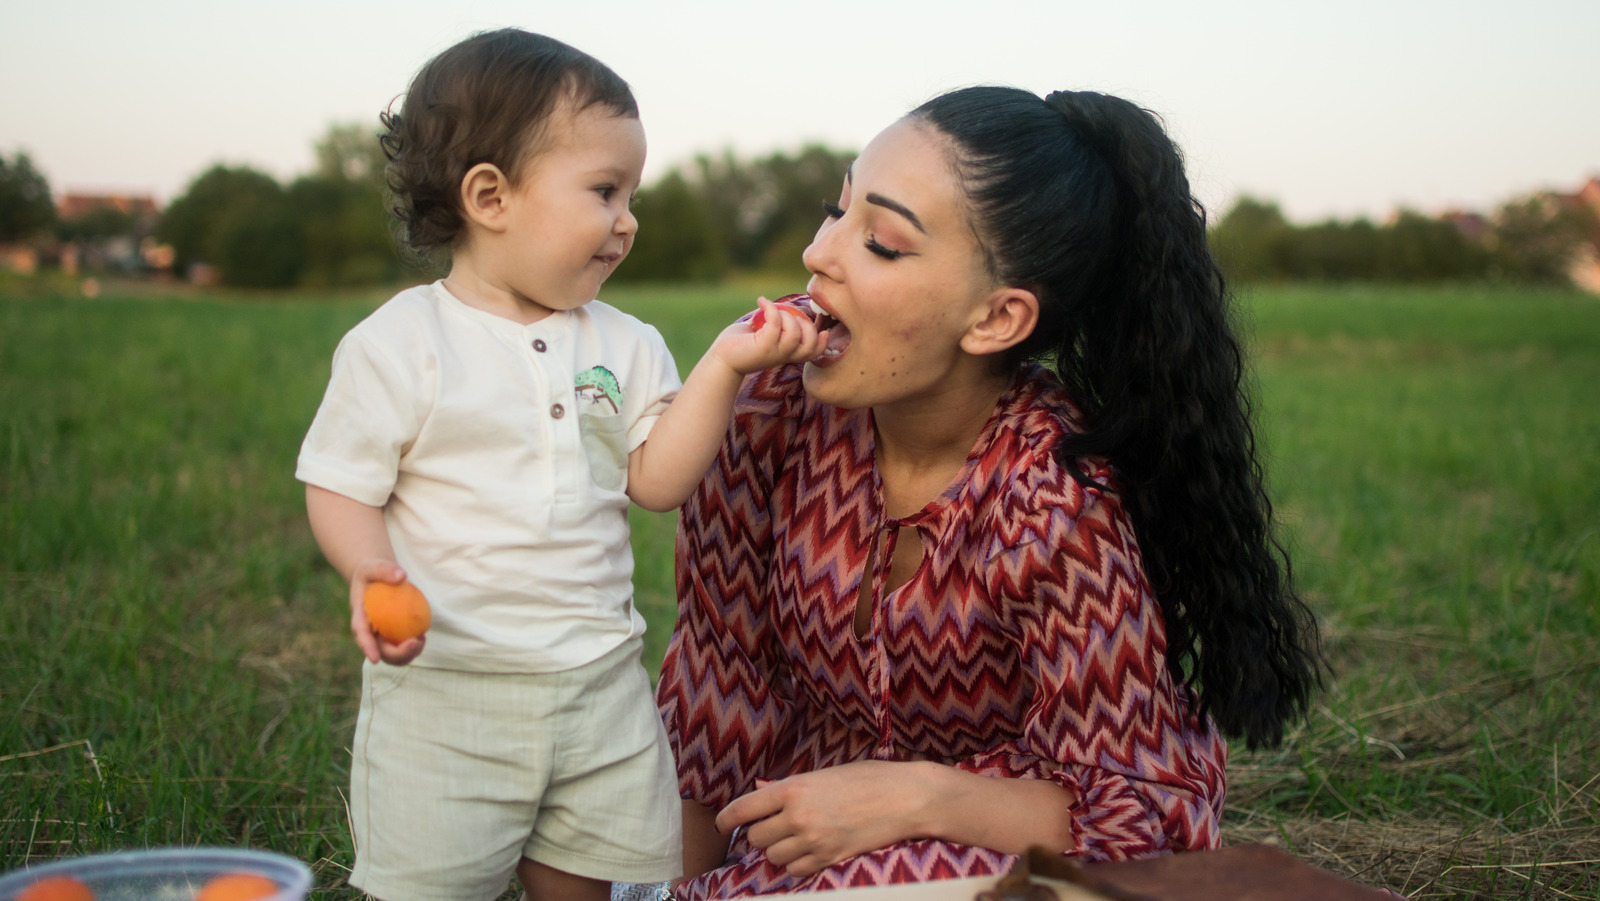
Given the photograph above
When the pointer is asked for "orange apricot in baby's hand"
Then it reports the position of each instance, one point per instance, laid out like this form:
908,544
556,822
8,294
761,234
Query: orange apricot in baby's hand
397,612
239,886
57,888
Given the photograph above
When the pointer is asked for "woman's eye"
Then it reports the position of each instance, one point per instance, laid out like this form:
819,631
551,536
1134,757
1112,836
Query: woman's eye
832,210
885,252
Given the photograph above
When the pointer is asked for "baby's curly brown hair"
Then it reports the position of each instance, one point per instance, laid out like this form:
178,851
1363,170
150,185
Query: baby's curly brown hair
487,99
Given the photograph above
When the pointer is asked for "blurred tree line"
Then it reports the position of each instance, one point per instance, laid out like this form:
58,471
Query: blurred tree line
26,209
325,229
331,228
727,214
722,213
1531,239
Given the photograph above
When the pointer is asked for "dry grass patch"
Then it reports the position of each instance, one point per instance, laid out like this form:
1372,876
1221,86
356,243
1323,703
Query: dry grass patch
1430,859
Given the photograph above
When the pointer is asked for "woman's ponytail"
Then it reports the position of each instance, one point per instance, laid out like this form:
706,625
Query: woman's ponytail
1083,199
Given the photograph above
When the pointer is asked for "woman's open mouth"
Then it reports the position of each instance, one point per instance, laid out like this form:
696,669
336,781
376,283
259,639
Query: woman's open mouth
838,334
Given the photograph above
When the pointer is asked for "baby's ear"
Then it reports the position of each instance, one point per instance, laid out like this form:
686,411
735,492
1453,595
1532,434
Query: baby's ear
484,192
1006,320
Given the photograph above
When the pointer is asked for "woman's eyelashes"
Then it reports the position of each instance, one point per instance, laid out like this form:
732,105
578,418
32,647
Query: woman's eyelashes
834,211
885,252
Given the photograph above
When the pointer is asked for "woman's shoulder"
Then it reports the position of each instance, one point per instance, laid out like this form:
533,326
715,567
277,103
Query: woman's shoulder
776,393
1035,417
1034,480
1037,405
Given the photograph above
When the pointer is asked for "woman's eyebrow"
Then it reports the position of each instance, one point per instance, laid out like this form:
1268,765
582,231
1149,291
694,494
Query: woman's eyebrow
886,203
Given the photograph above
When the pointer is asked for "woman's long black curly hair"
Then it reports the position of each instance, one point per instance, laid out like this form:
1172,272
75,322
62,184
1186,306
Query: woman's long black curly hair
1082,198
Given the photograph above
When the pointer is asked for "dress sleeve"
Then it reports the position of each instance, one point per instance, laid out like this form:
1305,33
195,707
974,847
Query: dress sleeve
1107,721
720,696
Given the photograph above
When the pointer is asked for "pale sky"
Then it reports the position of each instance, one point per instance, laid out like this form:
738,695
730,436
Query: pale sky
1342,109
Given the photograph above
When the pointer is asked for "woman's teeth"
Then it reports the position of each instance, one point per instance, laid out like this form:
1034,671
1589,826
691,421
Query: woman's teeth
838,335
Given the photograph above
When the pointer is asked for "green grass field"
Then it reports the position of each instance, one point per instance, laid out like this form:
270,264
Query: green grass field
175,667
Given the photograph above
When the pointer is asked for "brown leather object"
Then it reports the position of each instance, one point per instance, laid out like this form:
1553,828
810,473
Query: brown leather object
1237,873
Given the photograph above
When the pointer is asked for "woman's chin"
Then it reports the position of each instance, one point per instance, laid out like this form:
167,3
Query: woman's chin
815,377
827,384
825,366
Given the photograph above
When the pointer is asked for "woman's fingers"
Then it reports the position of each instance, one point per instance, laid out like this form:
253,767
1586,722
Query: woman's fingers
807,865
747,809
796,853
792,838
769,833
796,859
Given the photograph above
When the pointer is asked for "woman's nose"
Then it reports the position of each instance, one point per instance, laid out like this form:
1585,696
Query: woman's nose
818,255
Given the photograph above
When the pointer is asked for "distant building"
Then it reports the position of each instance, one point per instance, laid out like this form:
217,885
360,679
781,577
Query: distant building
1475,227
110,231
1590,193
1585,268
19,258
140,209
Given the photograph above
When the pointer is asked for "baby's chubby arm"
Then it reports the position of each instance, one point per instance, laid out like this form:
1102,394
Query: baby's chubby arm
663,471
353,538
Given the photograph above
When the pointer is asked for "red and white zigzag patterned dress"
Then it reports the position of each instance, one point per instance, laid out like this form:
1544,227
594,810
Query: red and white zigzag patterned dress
1026,645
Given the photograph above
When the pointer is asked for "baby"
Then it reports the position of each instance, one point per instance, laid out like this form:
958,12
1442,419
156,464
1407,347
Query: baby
483,436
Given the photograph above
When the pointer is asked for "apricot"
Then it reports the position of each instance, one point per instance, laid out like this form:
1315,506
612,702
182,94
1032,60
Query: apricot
760,317
238,887
57,888
397,612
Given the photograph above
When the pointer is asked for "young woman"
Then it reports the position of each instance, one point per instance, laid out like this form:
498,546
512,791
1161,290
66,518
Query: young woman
939,602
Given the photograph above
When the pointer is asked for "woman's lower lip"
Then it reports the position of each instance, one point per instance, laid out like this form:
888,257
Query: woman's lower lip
824,360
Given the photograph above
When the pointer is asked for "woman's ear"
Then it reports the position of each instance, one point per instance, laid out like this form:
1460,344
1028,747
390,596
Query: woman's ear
1012,315
485,191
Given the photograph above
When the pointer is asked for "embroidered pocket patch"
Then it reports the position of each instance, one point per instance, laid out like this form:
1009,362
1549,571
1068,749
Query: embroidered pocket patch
600,425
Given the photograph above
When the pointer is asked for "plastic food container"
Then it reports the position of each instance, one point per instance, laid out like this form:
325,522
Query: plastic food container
166,874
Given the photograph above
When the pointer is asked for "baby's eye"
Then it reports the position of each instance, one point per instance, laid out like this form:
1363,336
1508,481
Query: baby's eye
832,210
605,191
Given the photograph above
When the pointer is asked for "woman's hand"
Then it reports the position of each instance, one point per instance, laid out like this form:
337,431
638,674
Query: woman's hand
373,645
811,821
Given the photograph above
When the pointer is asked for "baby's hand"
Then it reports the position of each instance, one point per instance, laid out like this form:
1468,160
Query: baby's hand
759,318
373,645
770,338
